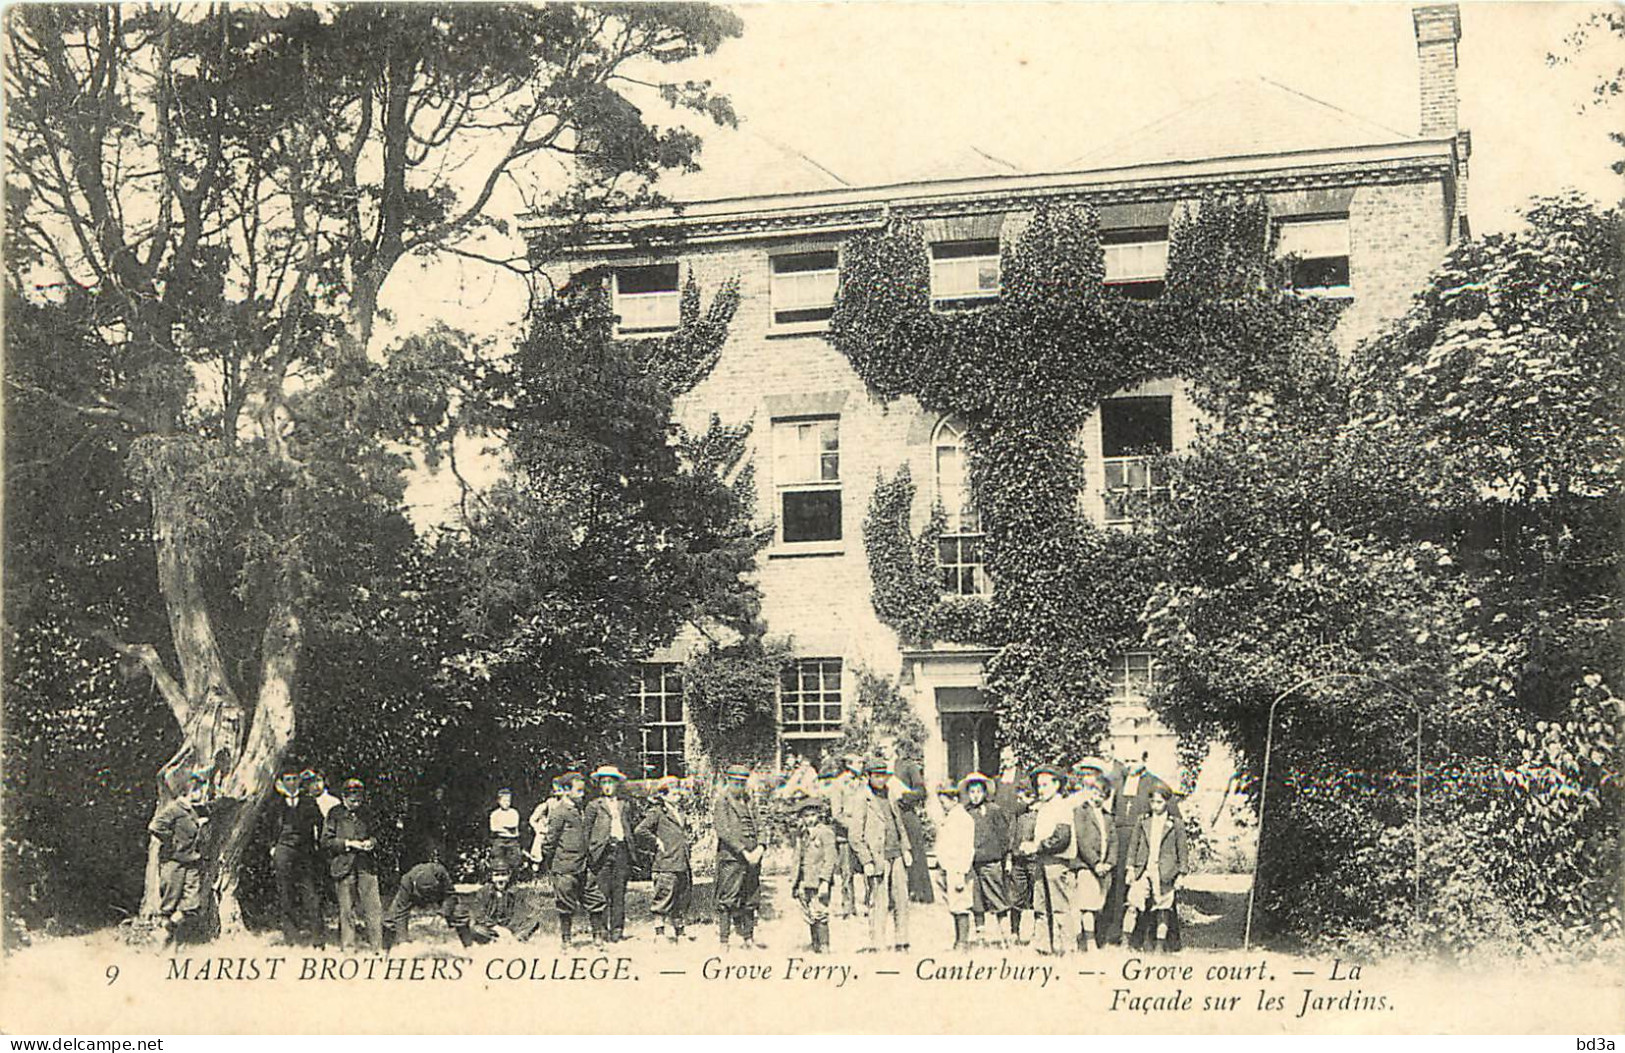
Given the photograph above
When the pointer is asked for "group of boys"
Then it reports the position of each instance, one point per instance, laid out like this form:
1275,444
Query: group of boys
1100,862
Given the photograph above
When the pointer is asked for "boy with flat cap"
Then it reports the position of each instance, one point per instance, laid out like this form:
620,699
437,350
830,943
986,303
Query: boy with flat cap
1051,851
564,854
665,824
812,876
881,842
1095,835
178,828
348,836
740,848
955,852
494,916
990,838
1158,860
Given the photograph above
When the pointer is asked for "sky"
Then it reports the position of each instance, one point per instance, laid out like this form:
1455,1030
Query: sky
874,90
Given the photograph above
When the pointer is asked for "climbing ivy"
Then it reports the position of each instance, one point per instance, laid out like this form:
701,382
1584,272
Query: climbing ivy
1024,373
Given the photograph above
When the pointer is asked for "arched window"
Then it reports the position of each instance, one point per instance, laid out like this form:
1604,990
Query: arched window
959,549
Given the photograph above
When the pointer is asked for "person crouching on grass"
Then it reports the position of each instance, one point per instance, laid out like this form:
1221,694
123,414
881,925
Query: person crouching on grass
665,824
812,878
1096,838
1159,859
1051,851
956,852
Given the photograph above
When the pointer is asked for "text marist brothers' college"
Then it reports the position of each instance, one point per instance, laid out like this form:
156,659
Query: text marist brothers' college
1367,211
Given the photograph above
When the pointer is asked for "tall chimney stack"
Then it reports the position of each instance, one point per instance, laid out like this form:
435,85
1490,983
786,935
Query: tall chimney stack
1438,28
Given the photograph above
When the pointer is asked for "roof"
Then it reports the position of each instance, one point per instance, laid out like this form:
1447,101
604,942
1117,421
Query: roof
1245,119
966,162
739,162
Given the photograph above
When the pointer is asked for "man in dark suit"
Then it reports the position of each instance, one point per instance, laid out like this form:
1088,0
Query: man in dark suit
295,826
609,848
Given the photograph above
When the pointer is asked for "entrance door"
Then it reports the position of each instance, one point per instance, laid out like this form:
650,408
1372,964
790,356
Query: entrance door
969,731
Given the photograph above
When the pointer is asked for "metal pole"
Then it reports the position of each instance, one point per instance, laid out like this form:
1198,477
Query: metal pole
1416,870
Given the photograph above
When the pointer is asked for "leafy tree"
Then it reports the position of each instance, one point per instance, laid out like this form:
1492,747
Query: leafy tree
216,197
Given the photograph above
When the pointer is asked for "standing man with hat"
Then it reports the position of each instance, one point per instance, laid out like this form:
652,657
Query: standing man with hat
609,848
350,844
740,848
812,876
178,828
1095,835
990,834
564,854
295,825
881,842
1051,850
665,824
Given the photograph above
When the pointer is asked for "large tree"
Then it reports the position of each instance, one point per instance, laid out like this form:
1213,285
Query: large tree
219,196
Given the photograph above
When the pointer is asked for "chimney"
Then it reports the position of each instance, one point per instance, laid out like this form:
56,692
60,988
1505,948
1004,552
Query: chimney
1438,29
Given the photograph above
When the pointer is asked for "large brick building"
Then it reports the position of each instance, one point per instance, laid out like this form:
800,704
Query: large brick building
1368,210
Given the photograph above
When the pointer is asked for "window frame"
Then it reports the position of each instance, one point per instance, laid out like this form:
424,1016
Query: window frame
777,325
784,486
1144,284
669,676
1284,223
1126,658
823,729
1126,464
674,296
957,299
964,524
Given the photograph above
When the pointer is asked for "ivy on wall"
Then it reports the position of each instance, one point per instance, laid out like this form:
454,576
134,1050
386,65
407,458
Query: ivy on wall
1024,373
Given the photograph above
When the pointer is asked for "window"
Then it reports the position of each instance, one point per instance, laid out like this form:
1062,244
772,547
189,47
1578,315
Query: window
1320,254
658,690
807,475
964,273
959,549
1133,431
810,699
1136,261
803,287
1132,676
647,299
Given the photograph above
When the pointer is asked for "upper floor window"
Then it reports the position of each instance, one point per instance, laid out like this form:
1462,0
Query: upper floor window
647,299
964,273
657,688
803,287
1319,248
959,548
810,699
1134,431
1136,261
1132,676
807,476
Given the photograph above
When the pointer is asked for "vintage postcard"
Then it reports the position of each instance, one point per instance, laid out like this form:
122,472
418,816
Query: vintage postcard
812,518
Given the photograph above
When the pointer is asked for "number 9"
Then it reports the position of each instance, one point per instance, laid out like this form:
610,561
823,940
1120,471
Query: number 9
112,974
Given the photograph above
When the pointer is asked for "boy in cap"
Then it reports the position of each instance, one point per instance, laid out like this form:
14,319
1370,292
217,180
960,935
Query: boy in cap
494,915
1097,849
844,800
313,784
348,836
294,823
813,874
178,828
1159,859
564,853
428,884
1051,850
504,825
1023,875
882,846
609,847
956,853
740,847
665,824
990,845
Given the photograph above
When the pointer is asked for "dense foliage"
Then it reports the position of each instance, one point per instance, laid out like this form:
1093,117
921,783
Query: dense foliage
1024,373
